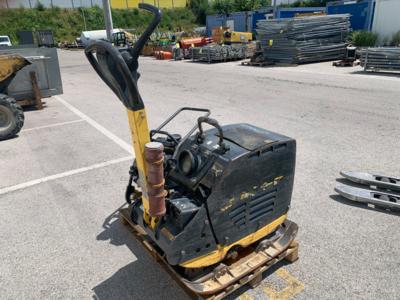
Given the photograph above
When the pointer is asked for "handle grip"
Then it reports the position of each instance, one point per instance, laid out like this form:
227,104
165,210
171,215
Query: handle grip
118,69
149,30
214,123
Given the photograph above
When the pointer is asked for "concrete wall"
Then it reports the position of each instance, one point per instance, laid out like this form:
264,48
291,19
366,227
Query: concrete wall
386,19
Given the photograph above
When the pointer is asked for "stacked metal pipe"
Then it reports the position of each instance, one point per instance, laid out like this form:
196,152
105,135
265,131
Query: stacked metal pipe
304,39
217,53
384,58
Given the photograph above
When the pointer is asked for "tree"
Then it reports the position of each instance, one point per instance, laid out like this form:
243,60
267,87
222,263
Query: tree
201,9
223,6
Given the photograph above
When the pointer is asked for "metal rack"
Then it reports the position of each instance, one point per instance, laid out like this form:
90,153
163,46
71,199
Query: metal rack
304,39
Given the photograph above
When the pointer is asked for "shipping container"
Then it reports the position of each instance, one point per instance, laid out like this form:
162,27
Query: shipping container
361,12
254,16
244,21
291,12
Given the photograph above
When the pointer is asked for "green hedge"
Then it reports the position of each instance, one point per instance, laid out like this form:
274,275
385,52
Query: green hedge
363,38
67,24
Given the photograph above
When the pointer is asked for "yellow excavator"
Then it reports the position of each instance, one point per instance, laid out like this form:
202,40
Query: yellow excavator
211,205
11,113
224,35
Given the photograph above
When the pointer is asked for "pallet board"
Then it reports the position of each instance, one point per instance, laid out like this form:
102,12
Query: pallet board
256,64
226,278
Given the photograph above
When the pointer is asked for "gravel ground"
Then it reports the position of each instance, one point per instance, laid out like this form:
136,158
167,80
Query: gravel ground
59,236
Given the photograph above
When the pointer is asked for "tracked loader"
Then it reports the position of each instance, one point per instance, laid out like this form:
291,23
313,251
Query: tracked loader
211,205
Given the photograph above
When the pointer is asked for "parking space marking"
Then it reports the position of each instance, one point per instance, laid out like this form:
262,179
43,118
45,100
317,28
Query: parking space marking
62,175
294,286
53,125
106,132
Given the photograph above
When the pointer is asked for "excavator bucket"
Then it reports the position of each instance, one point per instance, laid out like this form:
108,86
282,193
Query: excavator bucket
10,64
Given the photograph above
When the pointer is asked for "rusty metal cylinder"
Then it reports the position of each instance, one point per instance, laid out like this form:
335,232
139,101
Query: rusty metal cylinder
154,156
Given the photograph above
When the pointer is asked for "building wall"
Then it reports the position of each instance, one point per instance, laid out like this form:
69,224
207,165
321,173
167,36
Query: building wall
386,19
89,3
361,12
49,3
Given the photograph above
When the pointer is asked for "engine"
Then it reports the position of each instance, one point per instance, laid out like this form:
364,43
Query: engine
223,184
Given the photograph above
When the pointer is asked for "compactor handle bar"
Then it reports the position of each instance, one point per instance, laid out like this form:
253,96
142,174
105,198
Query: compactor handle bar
214,123
118,69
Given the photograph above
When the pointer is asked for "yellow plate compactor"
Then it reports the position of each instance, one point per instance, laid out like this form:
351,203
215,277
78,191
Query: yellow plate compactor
211,205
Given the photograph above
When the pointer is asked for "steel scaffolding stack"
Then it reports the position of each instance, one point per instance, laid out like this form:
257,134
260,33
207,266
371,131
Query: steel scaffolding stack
384,58
303,39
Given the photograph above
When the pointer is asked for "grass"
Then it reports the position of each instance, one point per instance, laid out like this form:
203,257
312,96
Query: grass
67,24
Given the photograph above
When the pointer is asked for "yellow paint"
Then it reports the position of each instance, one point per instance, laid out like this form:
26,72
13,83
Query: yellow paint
10,64
240,37
245,195
140,136
265,185
219,254
294,287
123,4
231,201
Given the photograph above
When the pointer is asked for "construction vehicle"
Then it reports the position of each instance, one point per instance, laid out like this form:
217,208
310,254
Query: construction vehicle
11,113
5,41
123,39
212,205
224,35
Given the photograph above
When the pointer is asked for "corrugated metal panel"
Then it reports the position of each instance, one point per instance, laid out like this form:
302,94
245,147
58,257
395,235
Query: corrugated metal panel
361,12
259,15
386,19
284,12
213,21
242,21
239,20
118,4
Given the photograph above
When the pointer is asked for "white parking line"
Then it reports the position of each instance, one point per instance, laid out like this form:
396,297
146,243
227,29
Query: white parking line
53,125
61,175
96,125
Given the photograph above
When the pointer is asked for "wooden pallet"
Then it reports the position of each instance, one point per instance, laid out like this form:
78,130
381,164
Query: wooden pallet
256,63
345,63
247,269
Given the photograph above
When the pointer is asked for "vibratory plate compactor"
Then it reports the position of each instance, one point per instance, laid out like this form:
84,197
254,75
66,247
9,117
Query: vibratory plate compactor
210,206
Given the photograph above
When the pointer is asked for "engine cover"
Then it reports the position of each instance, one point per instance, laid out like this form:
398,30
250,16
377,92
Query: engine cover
225,196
